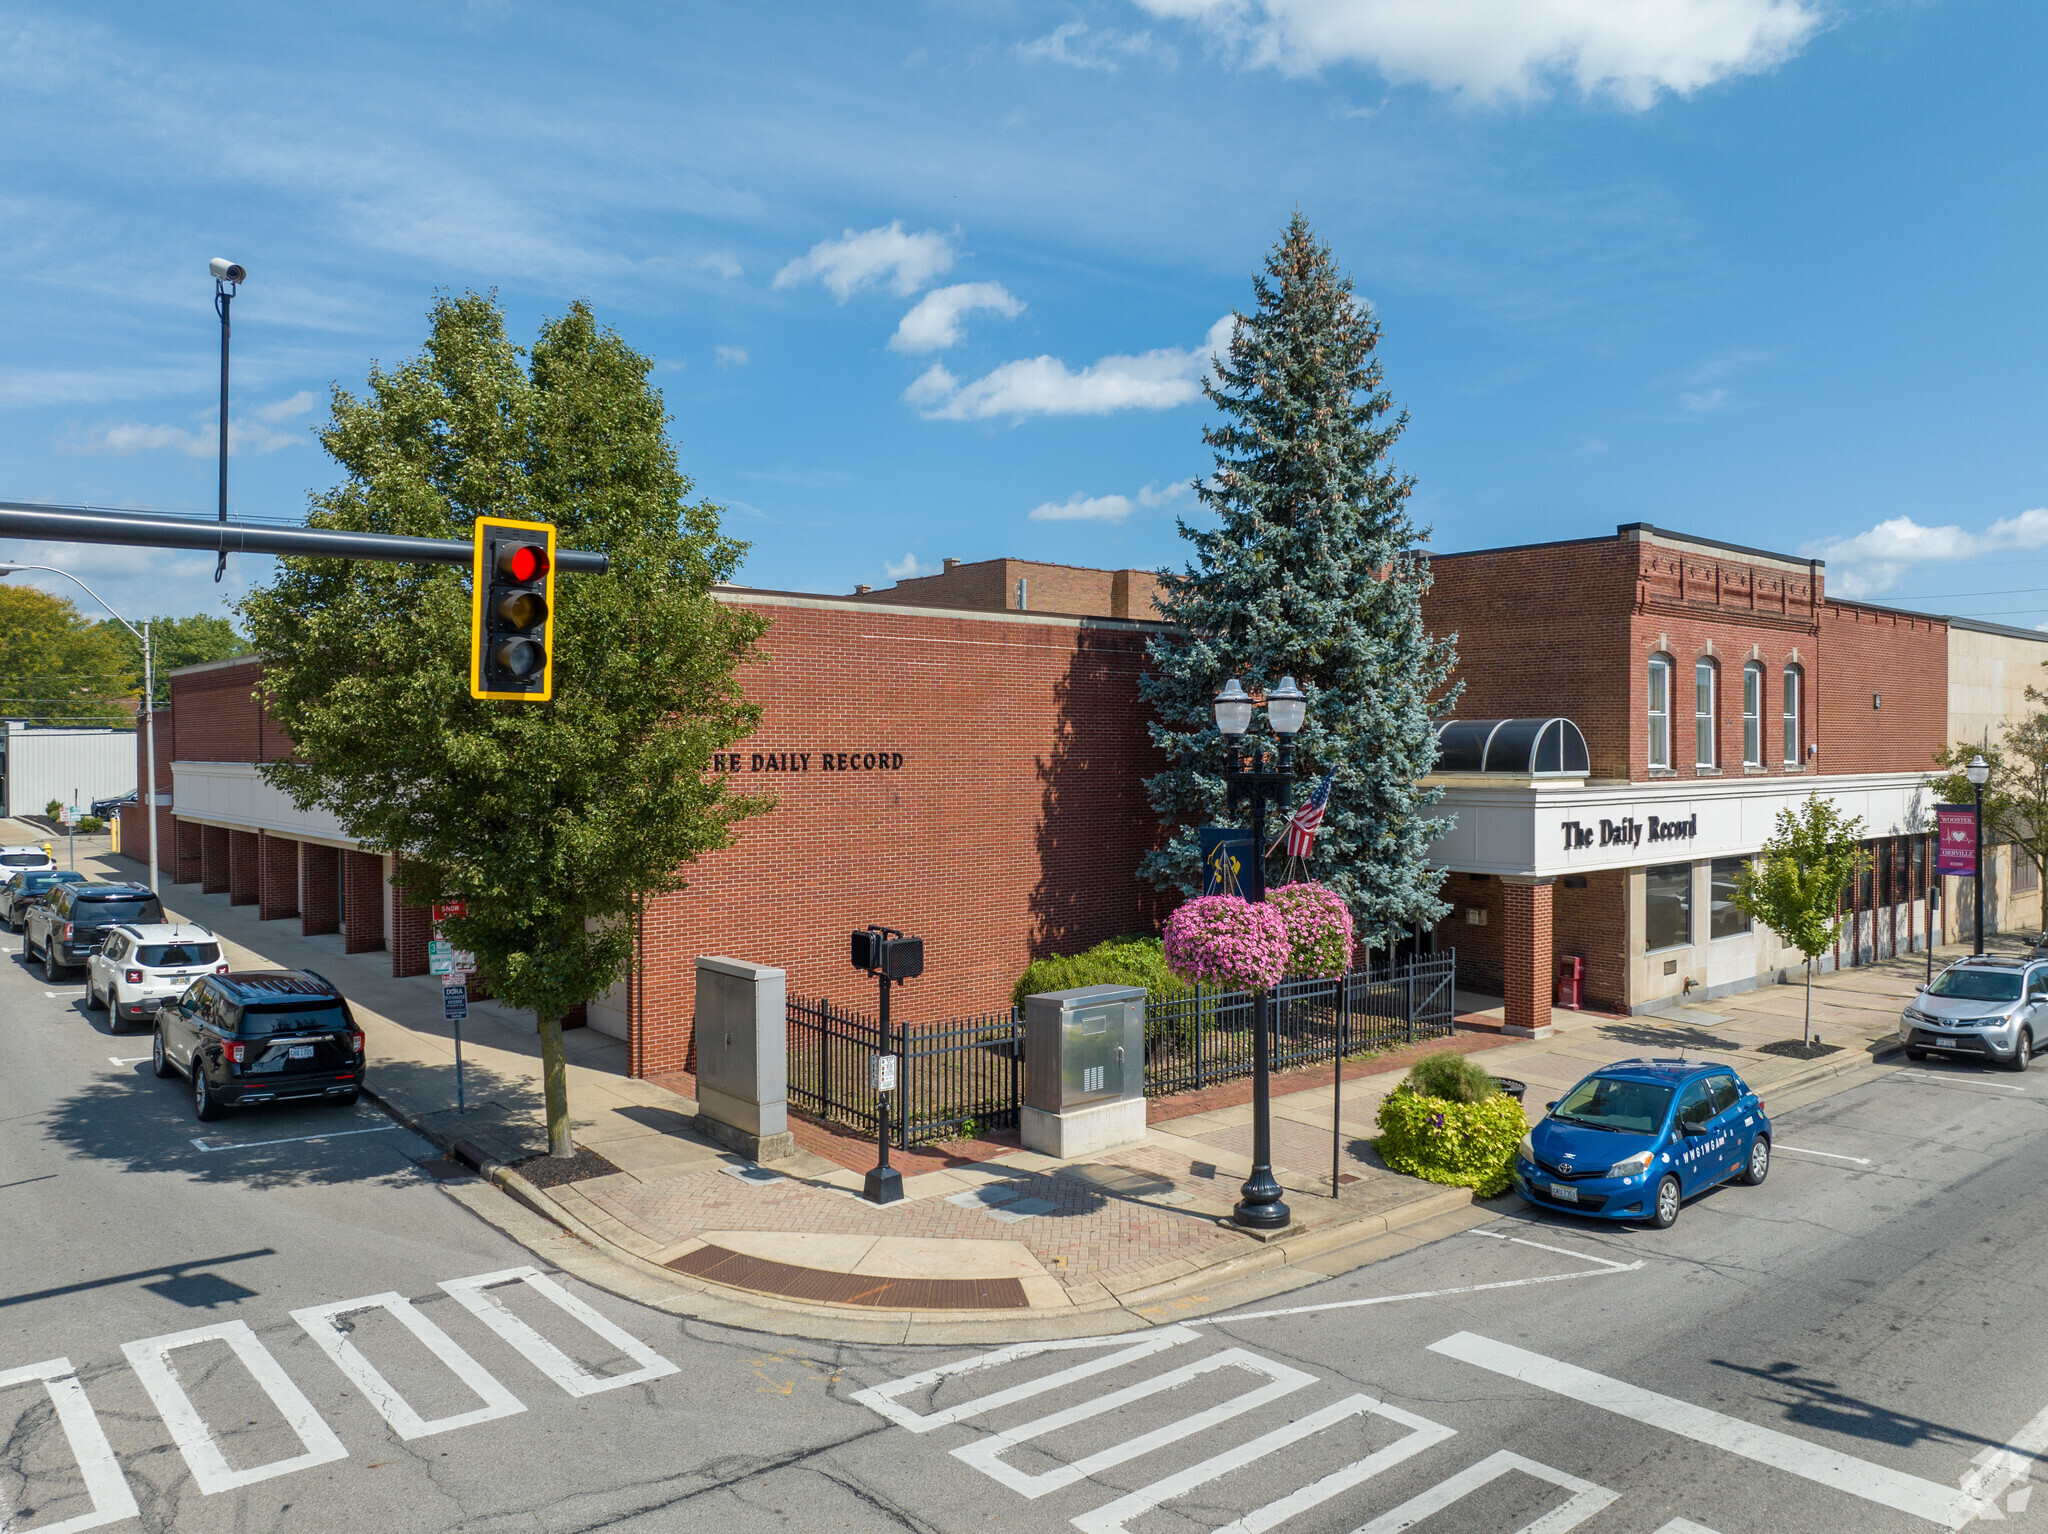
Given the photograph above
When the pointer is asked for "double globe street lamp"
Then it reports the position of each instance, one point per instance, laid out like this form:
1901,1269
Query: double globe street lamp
1979,773
1246,780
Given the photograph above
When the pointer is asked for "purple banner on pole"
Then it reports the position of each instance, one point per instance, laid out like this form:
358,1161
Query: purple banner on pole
1957,825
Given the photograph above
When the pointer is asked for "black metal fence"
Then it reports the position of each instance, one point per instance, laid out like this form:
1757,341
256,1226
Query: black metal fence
954,1076
969,1073
1206,1037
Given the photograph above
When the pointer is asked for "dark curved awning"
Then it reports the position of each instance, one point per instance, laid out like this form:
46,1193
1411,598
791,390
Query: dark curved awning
1525,748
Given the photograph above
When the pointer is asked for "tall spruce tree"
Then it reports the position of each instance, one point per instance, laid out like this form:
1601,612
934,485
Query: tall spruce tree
1314,572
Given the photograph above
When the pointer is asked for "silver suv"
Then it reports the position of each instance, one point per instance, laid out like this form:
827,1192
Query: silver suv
1993,1008
140,969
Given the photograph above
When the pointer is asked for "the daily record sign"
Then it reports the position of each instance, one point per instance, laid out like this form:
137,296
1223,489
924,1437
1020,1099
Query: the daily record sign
1956,825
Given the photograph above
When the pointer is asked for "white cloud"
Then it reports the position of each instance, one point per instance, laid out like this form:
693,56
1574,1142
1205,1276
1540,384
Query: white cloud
1872,561
1105,508
1630,51
732,356
244,436
299,404
720,263
1701,401
1155,380
905,568
1075,45
860,260
934,322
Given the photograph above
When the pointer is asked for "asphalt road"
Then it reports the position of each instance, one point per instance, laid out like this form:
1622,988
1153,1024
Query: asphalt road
1841,1349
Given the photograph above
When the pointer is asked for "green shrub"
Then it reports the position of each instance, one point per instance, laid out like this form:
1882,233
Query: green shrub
54,808
1466,1145
1115,961
90,825
1452,1076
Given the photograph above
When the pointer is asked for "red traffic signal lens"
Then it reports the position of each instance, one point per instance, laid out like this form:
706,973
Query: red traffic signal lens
522,610
522,561
519,658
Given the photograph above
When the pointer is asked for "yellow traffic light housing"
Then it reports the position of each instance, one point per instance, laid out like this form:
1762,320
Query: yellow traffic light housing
512,617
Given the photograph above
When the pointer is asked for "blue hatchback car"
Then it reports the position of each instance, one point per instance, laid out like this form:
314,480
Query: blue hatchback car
1637,1138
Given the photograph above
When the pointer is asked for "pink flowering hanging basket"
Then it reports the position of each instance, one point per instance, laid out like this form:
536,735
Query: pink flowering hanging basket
1222,940
1319,929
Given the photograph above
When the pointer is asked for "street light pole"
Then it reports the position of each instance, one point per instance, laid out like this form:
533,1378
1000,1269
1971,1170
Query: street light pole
1260,1205
148,693
227,277
1979,773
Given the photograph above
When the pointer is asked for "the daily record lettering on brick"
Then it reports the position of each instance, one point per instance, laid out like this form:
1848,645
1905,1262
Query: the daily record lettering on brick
807,761
1628,832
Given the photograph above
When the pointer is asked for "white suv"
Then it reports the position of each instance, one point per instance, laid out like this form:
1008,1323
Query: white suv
139,968
14,860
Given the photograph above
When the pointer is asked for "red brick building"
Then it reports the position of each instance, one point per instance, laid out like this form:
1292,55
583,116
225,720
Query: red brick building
970,771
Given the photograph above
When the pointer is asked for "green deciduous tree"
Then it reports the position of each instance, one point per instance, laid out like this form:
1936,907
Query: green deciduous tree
56,667
1313,570
186,641
1795,886
2016,793
553,822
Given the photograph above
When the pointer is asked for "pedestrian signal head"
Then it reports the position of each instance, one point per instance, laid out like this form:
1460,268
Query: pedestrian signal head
512,620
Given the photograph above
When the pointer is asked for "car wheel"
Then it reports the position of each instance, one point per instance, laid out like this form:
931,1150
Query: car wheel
92,998
2022,1050
204,1108
1916,1054
52,970
350,1100
1758,1167
1664,1213
159,1061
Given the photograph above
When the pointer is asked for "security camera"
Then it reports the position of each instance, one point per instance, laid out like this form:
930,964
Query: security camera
225,270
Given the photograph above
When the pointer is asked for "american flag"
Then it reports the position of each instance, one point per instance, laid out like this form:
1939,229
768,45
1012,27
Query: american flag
1303,824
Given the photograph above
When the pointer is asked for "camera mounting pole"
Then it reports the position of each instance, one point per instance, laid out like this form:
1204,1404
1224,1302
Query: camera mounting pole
890,957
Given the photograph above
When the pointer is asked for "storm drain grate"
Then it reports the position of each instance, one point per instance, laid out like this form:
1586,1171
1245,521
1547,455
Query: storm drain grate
719,1265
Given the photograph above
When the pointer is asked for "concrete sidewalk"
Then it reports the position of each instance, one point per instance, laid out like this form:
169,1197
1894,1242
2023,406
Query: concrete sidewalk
1011,1243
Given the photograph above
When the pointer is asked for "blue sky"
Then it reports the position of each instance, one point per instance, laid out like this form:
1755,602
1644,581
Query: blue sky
1764,270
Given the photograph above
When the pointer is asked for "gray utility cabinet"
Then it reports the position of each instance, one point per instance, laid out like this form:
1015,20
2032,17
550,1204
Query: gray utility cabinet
1084,1046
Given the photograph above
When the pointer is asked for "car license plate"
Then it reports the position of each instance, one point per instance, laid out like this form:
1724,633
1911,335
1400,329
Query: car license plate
1563,1194
299,1052
1947,1043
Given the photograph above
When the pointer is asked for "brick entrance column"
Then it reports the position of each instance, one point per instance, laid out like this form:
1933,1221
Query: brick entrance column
362,915
278,895
213,859
1526,954
245,867
319,889
185,837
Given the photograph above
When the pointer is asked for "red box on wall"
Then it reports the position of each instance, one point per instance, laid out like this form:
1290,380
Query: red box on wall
1571,979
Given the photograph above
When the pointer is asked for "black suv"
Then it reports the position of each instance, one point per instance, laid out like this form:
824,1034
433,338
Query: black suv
67,925
259,1036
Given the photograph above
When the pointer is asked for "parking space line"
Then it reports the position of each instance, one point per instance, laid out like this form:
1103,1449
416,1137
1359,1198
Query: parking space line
1562,1251
882,1398
151,1361
985,1454
105,1485
1684,1526
1998,1468
1800,1150
1586,1499
1911,1494
321,1324
1422,1434
332,1134
1426,1294
1963,1081
117,1060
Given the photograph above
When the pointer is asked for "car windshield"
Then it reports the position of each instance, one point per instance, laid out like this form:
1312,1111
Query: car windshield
305,1017
111,908
173,955
1609,1103
1977,985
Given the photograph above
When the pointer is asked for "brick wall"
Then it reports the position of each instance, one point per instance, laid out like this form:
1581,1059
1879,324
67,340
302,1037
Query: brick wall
215,717
990,585
319,889
1479,947
1012,827
362,902
278,895
1897,657
245,867
186,843
1593,923
213,859
411,928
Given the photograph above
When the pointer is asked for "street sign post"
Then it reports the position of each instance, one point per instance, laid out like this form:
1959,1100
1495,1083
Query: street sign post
455,1007
440,957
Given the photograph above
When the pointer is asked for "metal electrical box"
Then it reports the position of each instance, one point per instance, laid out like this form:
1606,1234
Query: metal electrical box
1084,1046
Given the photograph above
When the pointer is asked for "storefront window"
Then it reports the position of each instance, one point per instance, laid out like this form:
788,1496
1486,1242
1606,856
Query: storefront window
1791,716
1752,715
1667,906
1703,712
1660,711
1727,919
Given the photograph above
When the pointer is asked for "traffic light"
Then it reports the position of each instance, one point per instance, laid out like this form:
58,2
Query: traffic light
512,621
886,952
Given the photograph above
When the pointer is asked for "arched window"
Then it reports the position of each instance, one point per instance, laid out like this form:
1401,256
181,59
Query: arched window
1660,711
1703,712
1753,715
1792,690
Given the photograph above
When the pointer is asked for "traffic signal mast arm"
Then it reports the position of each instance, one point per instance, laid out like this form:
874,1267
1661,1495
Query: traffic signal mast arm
145,530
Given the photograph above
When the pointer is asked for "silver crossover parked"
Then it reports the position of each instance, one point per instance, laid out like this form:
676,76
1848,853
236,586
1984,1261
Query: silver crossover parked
1994,1008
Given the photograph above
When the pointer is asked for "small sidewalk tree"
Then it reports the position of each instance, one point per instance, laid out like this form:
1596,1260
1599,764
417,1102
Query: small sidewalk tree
2016,793
1795,886
552,822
